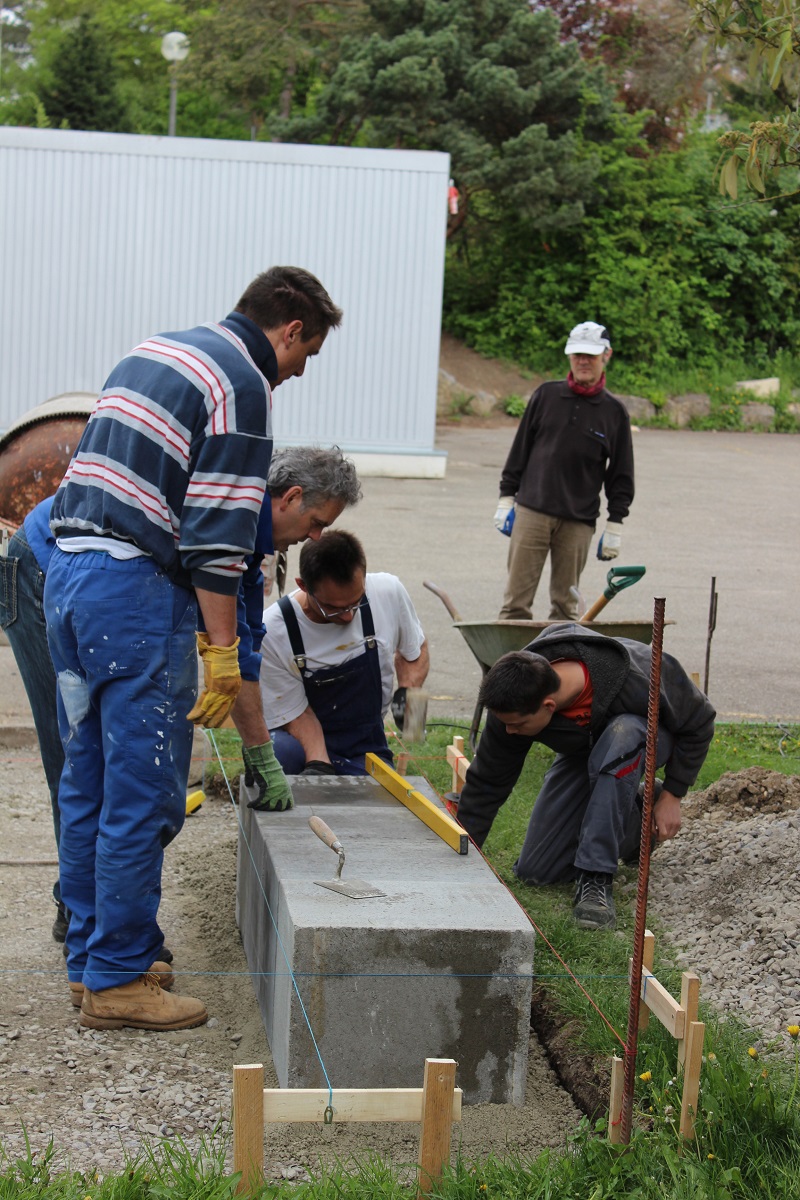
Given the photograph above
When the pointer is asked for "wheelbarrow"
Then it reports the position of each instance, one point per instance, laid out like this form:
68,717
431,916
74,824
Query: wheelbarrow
490,640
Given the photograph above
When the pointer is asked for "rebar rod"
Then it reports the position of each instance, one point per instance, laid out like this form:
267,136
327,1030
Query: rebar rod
640,923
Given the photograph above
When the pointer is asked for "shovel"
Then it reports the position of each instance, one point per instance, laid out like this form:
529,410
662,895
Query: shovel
356,889
617,580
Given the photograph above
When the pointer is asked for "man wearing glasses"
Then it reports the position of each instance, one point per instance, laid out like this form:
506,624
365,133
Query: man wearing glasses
329,658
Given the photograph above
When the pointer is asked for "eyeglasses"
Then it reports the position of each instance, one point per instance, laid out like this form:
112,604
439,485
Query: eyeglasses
330,613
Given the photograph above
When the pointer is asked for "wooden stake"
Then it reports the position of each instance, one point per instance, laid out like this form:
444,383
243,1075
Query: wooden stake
248,1126
691,1077
437,1117
690,1003
615,1102
648,956
459,762
402,762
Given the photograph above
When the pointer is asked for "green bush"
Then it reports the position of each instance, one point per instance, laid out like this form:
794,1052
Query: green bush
515,405
681,278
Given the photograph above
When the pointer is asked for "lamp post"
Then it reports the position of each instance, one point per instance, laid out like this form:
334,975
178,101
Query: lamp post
175,48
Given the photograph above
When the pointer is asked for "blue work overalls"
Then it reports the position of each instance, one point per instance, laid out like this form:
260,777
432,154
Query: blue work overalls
347,700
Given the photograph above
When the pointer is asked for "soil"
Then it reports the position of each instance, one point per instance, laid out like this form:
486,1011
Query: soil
464,373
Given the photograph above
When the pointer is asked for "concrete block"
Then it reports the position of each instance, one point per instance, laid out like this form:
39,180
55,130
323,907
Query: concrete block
763,388
440,966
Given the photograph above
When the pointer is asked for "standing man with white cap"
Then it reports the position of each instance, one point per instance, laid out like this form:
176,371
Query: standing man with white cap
573,441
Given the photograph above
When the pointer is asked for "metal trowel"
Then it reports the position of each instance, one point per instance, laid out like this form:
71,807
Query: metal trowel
356,889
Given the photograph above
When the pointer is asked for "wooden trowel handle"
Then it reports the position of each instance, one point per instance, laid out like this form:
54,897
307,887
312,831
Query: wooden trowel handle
325,833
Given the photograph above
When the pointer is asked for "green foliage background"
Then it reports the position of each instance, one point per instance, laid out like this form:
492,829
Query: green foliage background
678,276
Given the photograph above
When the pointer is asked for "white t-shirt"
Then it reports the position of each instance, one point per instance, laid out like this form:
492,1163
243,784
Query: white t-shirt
397,627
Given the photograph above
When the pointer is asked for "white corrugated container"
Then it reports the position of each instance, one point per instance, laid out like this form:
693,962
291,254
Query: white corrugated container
108,238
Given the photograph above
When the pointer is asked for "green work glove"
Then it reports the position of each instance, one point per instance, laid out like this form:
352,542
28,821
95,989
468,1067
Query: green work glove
262,770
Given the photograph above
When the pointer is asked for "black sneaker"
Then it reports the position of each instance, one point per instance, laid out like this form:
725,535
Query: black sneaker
61,923
593,902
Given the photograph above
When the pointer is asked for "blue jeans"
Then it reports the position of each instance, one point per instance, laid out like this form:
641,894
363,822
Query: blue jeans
122,638
292,757
22,618
586,817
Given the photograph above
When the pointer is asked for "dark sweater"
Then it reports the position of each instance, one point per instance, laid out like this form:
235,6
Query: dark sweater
620,674
566,449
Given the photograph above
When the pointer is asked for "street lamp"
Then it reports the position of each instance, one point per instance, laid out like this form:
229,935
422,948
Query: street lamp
175,48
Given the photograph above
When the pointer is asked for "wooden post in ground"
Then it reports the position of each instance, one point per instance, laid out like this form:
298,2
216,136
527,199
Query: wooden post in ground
437,1122
248,1126
648,957
690,1003
691,1076
457,748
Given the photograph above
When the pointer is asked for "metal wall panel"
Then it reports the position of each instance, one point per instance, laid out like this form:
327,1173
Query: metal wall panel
109,238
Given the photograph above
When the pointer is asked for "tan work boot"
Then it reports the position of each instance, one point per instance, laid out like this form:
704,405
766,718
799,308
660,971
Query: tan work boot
142,1004
161,969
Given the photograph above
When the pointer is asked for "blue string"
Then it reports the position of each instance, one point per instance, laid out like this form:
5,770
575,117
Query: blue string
213,741
341,974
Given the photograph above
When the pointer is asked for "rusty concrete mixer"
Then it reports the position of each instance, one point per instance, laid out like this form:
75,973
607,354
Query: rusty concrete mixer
35,452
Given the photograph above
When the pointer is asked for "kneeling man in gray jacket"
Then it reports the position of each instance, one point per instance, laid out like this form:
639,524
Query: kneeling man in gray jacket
585,696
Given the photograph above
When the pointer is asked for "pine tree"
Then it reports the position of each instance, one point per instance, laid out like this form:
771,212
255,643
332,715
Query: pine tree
83,93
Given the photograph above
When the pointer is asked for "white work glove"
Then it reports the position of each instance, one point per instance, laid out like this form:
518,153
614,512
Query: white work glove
610,541
504,516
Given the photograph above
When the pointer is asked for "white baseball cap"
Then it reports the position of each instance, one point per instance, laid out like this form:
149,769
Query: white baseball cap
588,338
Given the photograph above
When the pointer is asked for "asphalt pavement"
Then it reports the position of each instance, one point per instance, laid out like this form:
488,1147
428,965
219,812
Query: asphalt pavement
725,505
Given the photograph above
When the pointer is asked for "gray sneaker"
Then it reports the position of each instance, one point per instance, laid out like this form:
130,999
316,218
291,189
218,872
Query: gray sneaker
593,903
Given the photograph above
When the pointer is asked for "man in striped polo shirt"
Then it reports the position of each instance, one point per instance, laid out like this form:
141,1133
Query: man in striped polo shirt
155,517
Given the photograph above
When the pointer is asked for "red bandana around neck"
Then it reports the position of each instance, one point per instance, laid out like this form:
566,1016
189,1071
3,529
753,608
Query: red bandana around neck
586,389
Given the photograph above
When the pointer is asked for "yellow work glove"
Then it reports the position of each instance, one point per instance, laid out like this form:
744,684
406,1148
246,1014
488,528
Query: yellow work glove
221,682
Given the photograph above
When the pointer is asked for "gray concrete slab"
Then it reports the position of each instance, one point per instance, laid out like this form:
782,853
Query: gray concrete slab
707,504
440,966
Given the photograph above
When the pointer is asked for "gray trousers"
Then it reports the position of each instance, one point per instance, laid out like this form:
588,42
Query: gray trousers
586,817
533,537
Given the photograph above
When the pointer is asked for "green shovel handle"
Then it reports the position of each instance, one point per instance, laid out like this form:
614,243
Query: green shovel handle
619,578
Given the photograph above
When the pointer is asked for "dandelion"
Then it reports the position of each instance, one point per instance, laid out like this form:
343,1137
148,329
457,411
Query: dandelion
793,1031
712,1057
710,1157
482,1188
752,1052
646,1076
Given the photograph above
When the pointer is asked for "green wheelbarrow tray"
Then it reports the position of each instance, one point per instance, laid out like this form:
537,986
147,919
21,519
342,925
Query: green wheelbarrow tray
490,640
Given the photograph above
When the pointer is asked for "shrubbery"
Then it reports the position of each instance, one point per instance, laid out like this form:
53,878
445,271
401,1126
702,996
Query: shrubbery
681,277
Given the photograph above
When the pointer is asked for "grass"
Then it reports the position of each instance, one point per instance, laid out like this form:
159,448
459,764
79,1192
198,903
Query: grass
747,1140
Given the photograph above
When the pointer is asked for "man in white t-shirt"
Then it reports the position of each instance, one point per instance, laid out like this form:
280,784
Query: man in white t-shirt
329,658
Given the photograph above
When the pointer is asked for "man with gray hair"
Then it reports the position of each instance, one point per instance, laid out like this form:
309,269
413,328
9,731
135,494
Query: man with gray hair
574,439
308,488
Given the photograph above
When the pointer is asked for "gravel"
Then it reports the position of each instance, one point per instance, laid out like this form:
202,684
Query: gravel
728,889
